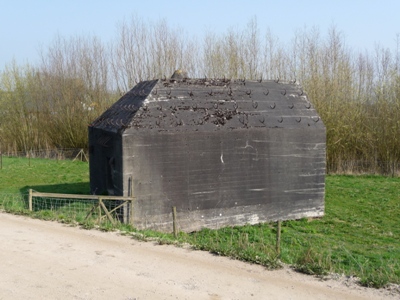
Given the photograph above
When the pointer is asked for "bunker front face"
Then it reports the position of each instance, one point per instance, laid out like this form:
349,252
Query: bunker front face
223,152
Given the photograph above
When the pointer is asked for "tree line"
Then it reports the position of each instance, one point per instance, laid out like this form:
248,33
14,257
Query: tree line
50,104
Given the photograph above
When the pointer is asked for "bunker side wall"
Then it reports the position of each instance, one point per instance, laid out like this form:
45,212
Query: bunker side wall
223,178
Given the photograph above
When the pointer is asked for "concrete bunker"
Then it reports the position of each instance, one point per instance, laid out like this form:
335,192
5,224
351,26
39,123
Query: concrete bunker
223,152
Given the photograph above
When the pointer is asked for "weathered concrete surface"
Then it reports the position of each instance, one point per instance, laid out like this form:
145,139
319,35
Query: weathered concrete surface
217,179
223,152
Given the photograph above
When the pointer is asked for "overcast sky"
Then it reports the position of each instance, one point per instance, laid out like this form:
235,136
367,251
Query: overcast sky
25,26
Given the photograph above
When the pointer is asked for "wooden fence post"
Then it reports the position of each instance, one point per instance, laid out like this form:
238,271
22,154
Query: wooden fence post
100,206
131,213
278,238
106,211
30,199
99,209
131,195
174,222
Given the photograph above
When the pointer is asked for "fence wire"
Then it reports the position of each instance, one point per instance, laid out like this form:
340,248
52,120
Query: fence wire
56,154
81,211
336,166
386,168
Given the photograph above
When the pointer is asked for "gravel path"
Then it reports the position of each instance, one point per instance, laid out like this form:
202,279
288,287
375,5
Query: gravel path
49,260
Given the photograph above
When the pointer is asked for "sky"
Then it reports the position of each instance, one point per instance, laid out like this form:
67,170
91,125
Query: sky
26,26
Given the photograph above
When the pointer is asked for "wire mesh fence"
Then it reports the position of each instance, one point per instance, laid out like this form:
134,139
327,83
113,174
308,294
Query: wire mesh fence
55,153
330,243
386,168
80,209
63,209
337,166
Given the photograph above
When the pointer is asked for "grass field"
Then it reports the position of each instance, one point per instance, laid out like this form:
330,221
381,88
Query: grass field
359,235
62,176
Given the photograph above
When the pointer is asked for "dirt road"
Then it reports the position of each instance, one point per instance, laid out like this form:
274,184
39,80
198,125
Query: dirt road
48,260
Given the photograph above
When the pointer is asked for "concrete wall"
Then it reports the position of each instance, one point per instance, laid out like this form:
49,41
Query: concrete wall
222,178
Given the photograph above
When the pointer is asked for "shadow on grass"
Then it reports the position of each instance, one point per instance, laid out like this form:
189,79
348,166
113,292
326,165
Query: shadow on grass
79,188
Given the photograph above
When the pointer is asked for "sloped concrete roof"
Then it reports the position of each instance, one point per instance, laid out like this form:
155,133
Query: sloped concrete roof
209,104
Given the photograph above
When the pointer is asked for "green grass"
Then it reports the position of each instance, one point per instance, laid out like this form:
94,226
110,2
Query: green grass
18,175
359,234
63,176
